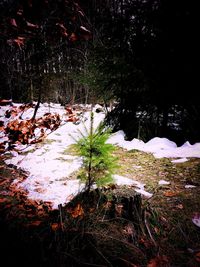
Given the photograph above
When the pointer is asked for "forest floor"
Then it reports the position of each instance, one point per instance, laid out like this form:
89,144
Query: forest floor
30,232
175,205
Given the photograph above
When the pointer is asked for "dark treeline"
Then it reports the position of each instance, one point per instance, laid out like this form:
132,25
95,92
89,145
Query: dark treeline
42,45
142,54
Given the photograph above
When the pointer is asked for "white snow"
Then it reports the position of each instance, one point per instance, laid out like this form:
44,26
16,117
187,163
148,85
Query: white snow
163,182
189,186
118,139
144,193
181,160
121,180
196,219
50,166
160,147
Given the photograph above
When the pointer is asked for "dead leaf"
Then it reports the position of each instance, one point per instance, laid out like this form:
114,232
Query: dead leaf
1,126
170,194
19,41
40,190
62,28
77,211
159,261
118,209
3,200
179,206
92,210
128,263
146,243
69,110
13,22
108,205
31,25
34,223
73,37
3,182
20,12
197,256
157,230
7,206
55,226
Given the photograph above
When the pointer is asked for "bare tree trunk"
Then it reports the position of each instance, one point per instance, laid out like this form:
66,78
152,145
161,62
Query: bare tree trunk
165,120
38,104
86,95
31,91
90,157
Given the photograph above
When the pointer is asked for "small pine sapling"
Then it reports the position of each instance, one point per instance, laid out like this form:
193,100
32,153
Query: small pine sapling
99,163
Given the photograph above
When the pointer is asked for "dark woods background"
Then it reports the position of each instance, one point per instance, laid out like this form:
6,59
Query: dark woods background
141,55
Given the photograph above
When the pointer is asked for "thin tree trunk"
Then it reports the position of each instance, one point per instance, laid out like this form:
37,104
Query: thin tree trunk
86,95
31,91
90,155
165,120
38,104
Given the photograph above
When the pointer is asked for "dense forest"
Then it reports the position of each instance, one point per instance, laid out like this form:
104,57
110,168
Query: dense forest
138,55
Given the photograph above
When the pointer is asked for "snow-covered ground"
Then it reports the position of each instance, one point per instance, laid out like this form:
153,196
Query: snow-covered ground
160,147
50,166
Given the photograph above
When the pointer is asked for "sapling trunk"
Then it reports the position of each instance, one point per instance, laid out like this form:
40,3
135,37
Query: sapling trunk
38,104
90,152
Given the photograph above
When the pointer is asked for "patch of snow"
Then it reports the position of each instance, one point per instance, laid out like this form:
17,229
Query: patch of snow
97,106
189,186
144,193
196,219
179,160
186,144
163,182
117,138
160,147
137,167
121,180
161,143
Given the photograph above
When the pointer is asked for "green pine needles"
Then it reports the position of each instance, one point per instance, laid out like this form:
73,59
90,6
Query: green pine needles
98,161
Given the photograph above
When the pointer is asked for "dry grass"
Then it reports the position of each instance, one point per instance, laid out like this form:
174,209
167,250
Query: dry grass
175,233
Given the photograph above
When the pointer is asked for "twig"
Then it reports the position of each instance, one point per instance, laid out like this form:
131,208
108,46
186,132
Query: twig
99,252
181,230
83,263
148,229
137,250
98,201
